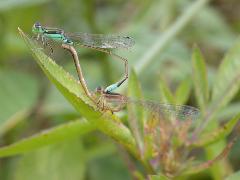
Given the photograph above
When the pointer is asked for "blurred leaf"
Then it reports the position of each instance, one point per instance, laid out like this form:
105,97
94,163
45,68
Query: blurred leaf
56,103
75,94
200,78
229,111
161,42
135,113
225,87
166,95
214,31
56,162
18,94
14,120
218,170
10,4
51,136
158,177
108,168
234,176
183,91
134,89
217,134
227,82
213,162
100,150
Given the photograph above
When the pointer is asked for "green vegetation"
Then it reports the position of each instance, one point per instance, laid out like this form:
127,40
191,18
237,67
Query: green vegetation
185,53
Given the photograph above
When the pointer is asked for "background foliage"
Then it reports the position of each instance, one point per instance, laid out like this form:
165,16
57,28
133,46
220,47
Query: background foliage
169,69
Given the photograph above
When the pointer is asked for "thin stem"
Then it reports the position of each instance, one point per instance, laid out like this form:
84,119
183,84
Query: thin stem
170,34
209,163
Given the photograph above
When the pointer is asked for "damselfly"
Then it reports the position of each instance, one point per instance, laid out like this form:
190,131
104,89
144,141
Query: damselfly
116,102
99,42
163,132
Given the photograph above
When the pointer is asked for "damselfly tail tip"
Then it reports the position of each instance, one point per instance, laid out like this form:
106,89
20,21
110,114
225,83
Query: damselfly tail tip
131,40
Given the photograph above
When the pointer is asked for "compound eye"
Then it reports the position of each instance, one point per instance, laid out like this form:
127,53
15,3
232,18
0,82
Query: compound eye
37,25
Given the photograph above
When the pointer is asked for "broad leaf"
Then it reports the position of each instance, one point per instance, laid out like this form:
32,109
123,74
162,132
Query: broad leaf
183,91
200,79
47,137
135,113
225,87
18,94
166,95
134,89
60,161
7,5
227,82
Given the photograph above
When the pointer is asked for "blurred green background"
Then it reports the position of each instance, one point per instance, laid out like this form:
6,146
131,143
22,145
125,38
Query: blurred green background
29,103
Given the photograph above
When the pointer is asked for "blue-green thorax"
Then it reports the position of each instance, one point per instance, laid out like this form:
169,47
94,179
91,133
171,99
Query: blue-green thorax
53,34
58,37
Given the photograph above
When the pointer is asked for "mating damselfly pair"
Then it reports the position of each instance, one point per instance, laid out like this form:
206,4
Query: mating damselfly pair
164,133
98,42
168,127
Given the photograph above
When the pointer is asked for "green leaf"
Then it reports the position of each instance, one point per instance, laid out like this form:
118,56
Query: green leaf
183,91
7,5
166,95
218,35
75,94
53,135
18,94
214,162
61,161
218,169
225,87
235,176
229,111
161,42
134,88
200,78
135,113
227,82
217,134
158,177
108,168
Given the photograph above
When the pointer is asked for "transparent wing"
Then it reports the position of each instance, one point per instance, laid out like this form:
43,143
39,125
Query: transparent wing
169,110
162,111
101,41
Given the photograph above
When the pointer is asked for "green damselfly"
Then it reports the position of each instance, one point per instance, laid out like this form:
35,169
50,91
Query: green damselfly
99,42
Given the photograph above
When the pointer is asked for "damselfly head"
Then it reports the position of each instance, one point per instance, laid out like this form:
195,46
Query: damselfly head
37,28
99,89
37,25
